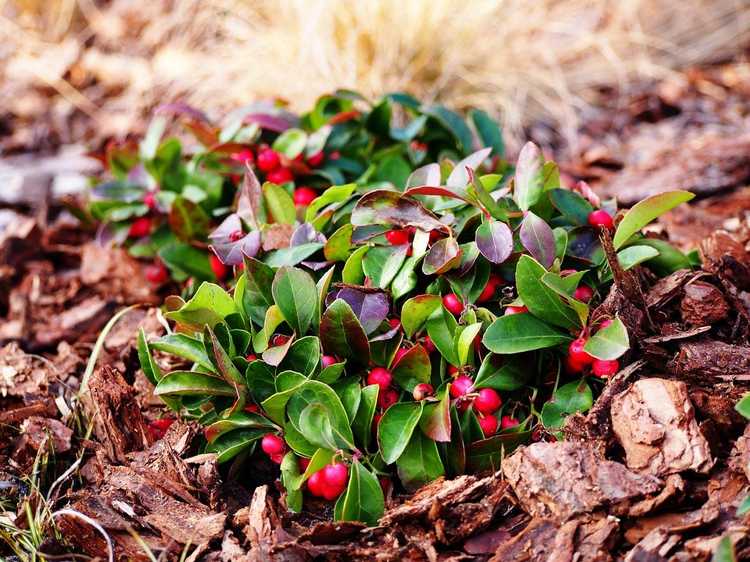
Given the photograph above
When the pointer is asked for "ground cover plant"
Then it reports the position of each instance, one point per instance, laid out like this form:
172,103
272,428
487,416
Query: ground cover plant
404,332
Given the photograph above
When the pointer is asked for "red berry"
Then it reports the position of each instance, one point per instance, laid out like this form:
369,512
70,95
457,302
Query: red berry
277,457
303,196
572,366
141,227
336,475
600,218
385,483
280,175
400,352
602,368
156,273
422,391
328,360
251,357
335,155
315,484
279,339
158,428
243,156
453,304
387,398
435,235
268,160
381,377
150,200
316,159
584,293
428,345
605,323
330,493
506,422
489,289
453,370
251,408
461,385
577,353
515,310
394,323
397,237
304,462
488,424
272,444
220,270
487,401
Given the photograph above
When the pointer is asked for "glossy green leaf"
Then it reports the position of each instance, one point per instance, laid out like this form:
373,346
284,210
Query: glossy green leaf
290,143
363,499
352,272
542,301
303,356
292,255
521,332
633,255
232,443
645,211
420,462
191,383
382,263
342,335
569,399
290,476
279,203
488,130
324,416
724,551
339,245
527,187
257,295
743,406
435,421
465,342
441,327
148,365
296,295
572,206
209,306
412,368
362,424
350,393
610,342
396,427
417,310
332,195
287,383
502,373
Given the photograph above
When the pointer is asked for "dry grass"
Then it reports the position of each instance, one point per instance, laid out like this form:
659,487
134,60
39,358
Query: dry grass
520,59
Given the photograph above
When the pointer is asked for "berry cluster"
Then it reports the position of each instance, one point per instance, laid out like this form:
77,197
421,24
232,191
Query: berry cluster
329,482
578,359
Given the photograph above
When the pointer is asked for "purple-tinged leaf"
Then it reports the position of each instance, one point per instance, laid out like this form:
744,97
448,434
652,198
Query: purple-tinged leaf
392,208
362,234
495,241
436,419
440,191
275,123
459,177
426,176
444,255
528,180
537,237
249,198
306,233
342,334
275,355
230,243
412,368
371,306
181,109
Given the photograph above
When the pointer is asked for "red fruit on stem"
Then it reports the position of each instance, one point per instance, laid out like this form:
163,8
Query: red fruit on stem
304,462
452,370
461,385
488,423
397,237
515,310
140,227
428,345
277,458
506,422
400,352
487,401
220,270
243,156
453,304
150,200
577,353
268,160
280,175
584,293
251,357
279,339
158,428
328,360
251,408
422,391
602,368
316,159
601,218
336,475
330,493
303,196
272,444
387,398
381,377
435,235
490,288
572,366
315,484
394,323
156,273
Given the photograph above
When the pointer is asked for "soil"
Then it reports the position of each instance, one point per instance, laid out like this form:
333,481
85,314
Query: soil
654,471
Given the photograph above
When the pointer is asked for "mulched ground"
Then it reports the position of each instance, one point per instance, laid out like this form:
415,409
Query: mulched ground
655,471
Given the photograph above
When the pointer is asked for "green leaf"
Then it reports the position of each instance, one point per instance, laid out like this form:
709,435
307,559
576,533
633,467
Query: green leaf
645,211
257,295
362,424
633,255
521,332
412,368
724,551
352,272
234,421
420,462
303,356
396,427
149,366
270,323
187,220
290,143
363,500
453,123
436,418
744,507
232,443
527,187
441,327
223,361
339,244
342,335
296,295
569,399
488,131
279,203
542,301
416,311
406,280
184,346
382,263
610,342
350,393
190,383
495,241
209,306
502,373
287,383
743,406
572,206
334,194
465,342
486,454
182,257
443,255
290,476
327,416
